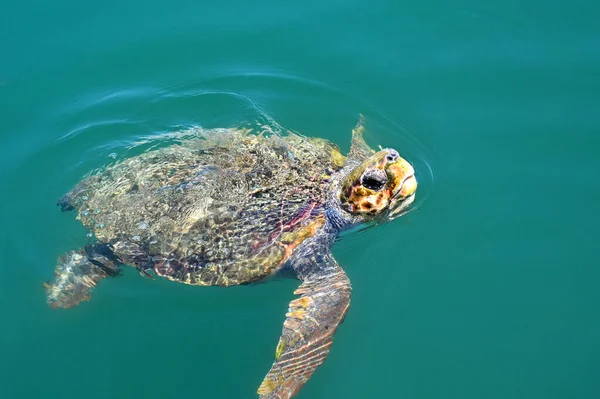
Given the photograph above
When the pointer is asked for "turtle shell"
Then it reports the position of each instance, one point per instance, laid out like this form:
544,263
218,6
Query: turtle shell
226,207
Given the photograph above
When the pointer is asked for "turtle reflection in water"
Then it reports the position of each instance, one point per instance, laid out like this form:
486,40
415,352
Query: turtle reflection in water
233,207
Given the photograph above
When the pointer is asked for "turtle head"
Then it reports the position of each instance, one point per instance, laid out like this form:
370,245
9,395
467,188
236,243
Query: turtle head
381,187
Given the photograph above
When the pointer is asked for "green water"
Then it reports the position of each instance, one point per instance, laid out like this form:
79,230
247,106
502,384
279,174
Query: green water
488,290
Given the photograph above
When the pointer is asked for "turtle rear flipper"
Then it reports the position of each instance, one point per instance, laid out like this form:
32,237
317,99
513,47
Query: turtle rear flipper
77,272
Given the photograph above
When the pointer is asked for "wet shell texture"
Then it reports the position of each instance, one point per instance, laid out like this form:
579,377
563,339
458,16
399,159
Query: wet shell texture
226,207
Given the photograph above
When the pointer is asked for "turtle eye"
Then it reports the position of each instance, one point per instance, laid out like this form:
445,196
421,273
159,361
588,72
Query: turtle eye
373,182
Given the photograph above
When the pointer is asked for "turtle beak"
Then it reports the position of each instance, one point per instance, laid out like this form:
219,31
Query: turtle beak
402,177
404,186
408,188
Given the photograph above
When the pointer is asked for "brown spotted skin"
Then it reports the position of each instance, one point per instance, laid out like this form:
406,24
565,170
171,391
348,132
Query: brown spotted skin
388,173
229,207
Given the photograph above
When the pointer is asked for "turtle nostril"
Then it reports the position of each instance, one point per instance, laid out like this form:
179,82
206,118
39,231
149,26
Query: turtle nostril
392,156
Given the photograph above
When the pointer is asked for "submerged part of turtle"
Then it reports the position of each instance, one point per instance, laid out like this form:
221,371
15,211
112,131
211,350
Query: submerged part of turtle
233,207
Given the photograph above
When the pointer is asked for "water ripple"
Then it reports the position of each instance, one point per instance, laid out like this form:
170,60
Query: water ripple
125,120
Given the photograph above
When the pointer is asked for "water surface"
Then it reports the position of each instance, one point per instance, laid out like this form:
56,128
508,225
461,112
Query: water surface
489,289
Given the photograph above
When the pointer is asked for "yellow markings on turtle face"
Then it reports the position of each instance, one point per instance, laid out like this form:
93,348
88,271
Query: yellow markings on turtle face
360,191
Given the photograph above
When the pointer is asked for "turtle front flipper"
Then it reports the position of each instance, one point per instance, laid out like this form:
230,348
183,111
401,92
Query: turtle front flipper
77,272
359,149
308,331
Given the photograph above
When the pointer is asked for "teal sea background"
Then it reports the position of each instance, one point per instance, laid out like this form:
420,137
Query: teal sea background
489,289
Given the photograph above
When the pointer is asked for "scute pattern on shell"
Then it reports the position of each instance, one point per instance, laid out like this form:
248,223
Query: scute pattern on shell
225,208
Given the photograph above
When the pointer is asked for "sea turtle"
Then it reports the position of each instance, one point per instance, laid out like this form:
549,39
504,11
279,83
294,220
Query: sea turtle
233,206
